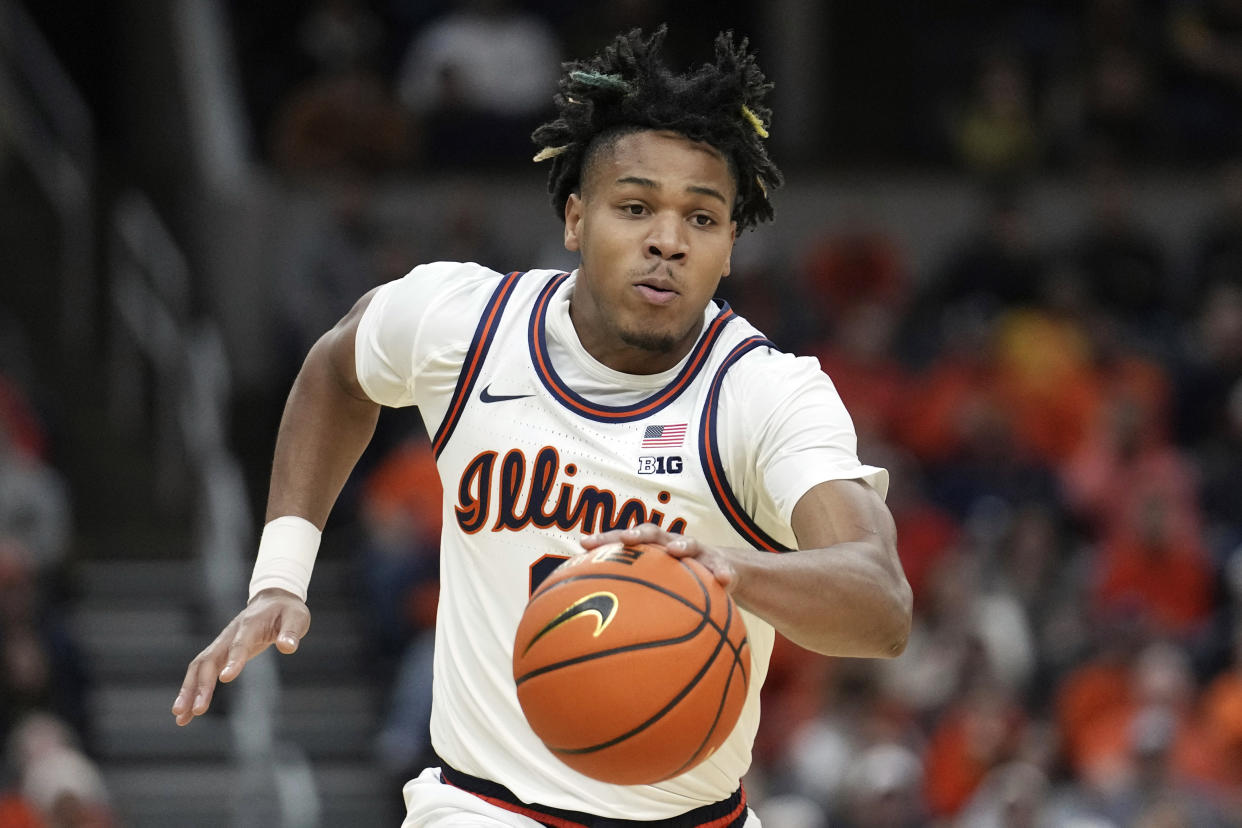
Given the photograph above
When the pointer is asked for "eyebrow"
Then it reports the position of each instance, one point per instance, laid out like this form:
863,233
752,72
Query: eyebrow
711,192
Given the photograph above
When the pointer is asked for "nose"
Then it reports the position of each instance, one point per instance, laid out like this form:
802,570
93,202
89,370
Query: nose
667,239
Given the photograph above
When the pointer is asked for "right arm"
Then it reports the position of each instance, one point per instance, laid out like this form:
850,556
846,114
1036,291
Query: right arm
327,423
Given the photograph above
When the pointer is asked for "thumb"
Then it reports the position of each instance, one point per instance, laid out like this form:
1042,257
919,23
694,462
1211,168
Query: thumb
293,629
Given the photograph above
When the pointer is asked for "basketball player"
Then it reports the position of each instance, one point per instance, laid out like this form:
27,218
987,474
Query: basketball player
616,402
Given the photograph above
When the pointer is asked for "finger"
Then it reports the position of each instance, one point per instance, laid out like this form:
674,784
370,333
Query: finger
195,694
643,533
200,680
680,546
293,628
242,648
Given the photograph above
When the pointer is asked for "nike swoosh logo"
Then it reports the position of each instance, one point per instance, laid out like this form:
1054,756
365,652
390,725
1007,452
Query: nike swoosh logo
603,605
488,397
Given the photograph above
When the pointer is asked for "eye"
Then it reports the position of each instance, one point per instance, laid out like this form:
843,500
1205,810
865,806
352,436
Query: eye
634,209
701,220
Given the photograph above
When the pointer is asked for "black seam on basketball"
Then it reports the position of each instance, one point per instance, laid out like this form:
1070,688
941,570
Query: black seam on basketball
659,714
721,641
705,619
609,576
724,696
724,631
705,612
628,648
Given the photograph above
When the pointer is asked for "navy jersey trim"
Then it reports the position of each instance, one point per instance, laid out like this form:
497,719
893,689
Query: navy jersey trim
727,813
621,413
475,354
710,455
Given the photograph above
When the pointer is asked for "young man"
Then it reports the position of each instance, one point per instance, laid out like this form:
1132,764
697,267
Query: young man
617,402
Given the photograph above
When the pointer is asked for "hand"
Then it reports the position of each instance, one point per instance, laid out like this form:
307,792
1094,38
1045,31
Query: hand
715,560
272,617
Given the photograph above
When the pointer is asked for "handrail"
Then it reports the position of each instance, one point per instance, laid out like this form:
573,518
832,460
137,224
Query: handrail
191,386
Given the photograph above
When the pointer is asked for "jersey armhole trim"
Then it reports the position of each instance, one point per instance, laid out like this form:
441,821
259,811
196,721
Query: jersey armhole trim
711,458
489,320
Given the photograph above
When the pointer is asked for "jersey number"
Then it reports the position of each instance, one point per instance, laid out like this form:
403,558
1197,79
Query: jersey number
542,568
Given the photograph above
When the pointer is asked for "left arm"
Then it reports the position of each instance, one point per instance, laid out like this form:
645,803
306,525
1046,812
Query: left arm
842,592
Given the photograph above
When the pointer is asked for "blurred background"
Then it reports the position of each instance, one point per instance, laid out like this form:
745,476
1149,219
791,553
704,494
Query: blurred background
1012,234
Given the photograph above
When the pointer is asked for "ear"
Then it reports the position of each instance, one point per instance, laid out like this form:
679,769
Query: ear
573,222
728,263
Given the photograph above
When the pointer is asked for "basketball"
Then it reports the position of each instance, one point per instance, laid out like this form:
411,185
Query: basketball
631,665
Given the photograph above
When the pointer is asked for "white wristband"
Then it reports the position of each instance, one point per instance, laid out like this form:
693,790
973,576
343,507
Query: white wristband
287,550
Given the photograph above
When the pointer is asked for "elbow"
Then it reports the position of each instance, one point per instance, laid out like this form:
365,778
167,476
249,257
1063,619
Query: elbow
900,619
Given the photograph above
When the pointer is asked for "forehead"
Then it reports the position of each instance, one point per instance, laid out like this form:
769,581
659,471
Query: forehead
664,157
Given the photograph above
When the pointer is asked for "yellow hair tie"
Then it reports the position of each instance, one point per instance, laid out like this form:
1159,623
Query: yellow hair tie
754,121
549,152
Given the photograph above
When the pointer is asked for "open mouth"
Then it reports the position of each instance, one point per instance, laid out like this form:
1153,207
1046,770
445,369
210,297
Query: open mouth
656,294
656,288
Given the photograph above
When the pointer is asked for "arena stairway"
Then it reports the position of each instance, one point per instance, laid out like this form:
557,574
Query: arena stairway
137,610
138,626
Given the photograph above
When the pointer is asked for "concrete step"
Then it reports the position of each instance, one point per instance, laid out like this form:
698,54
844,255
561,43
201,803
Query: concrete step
323,719
330,721
151,582
130,643
134,723
207,794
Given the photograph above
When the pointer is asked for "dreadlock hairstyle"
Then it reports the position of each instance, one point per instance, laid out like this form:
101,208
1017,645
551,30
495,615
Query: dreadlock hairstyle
628,88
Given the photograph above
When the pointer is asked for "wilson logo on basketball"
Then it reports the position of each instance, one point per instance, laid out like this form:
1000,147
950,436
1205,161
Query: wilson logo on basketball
603,605
515,493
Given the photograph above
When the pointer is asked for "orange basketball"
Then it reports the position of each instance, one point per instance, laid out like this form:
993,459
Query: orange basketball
631,665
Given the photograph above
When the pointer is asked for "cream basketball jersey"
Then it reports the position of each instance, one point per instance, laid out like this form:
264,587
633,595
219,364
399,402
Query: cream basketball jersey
538,444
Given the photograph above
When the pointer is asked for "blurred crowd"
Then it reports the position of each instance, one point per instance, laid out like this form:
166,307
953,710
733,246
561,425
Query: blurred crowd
997,89
1062,420
1063,426
48,776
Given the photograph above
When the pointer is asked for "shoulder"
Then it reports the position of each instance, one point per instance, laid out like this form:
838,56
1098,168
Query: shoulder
780,374
776,397
440,280
428,314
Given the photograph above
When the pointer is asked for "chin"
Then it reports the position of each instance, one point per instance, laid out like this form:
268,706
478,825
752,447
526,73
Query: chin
657,342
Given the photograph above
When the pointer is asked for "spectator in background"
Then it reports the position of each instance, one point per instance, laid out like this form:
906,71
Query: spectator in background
1156,788
1121,260
58,786
342,117
997,135
1149,714
1205,77
1221,726
400,520
998,265
329,257
35,509
41,669
477,80
883,789
1217,258
859,750
1209,409
1106,90
1136,492
979,732
1013,795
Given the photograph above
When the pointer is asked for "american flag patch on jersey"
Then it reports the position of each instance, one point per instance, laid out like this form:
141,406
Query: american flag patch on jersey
664,436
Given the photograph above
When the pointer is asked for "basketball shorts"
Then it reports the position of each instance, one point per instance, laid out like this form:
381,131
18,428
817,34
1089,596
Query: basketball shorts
432,803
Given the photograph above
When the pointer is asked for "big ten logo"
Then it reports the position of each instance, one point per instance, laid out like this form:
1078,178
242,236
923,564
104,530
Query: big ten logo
660,465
